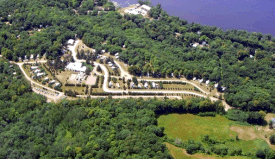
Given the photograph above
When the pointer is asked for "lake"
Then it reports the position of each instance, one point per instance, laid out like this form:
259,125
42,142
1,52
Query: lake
250,15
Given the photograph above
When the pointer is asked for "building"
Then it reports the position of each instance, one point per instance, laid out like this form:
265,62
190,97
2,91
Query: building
216,85
46,78
117,54
145,7
40,74
110,64
251,56
201,80
31,57
57,84
52,82
153,84
194,79
207,82
76,67
36,71
145,85
71,42
110,83
34,67
113,67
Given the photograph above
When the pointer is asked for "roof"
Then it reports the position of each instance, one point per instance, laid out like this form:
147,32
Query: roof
71,41
146,7
76,66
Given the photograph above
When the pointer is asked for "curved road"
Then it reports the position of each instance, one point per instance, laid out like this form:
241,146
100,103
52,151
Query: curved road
33,82
105,84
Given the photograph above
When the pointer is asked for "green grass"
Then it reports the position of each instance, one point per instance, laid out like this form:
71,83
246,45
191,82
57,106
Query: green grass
188,126
179,153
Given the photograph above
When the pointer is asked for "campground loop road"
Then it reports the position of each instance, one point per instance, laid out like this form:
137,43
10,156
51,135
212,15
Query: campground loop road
72,48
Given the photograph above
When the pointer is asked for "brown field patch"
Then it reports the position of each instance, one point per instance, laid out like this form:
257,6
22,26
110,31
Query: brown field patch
245,132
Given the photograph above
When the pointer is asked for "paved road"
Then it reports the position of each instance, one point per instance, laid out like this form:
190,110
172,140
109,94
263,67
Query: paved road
72,49
123,73
40,85
105,84
128,96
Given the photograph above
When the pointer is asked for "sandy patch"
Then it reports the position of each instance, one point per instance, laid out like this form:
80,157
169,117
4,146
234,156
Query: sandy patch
91,80
72,78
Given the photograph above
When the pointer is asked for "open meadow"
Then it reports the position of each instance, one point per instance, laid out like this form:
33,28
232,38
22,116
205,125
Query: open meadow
188,126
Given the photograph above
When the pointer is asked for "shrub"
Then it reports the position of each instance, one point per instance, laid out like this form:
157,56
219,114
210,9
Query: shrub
272,139
260,153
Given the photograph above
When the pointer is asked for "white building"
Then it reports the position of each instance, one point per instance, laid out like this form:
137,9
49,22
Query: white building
146,85
34,67
36,71
117,54
31,57
51,82
46,78
76,66
194,79
71,42
153,84
40,74
201,80
251,56
110,64
207,82
57,84
110,83
113,67
145,7
216,85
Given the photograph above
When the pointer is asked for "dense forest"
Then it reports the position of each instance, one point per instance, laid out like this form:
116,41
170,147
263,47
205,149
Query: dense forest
243,62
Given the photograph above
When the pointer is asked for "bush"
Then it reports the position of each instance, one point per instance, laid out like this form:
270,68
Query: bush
260,154
213,114
272,139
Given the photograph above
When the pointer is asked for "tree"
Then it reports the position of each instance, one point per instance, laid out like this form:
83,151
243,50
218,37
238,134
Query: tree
260,153
272,139
98,68
88,71
135,80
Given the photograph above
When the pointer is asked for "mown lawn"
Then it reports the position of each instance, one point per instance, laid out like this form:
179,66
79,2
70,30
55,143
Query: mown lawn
188,126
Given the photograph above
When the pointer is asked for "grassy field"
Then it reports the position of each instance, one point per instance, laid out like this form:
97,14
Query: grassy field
188,126
179,153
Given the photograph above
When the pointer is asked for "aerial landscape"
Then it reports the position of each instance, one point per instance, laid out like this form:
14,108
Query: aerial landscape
101,79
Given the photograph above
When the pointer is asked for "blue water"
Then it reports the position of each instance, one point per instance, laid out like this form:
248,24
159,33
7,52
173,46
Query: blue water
250,15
